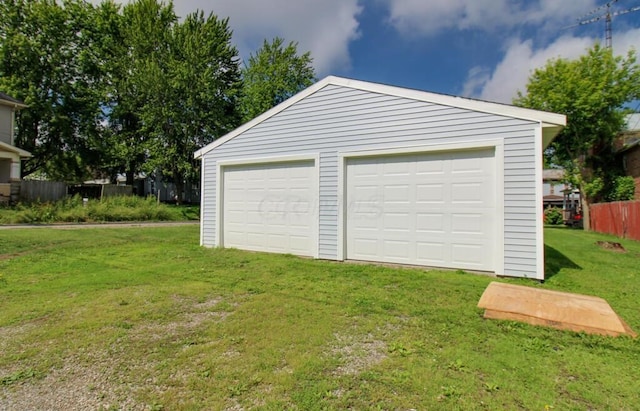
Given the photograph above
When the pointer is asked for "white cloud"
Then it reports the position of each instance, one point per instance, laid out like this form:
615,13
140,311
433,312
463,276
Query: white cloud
325,28
520,59
420,17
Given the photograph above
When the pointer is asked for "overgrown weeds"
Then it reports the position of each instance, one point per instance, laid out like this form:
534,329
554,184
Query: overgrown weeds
74,210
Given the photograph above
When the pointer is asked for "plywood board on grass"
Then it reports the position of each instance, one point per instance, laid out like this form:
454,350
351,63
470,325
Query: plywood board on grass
565,311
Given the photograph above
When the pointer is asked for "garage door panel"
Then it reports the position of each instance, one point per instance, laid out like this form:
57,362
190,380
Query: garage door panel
396,249
468,224
435,254
270,207
430,223
468,193
430,193
468,255
397,221
441,213
395,193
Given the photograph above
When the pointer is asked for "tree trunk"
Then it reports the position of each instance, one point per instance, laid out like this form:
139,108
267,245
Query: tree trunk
179,183
586,221
130,174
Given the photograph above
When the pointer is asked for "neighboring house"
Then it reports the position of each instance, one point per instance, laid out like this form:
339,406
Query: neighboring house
554,189
10,155
628,146
153,185
351,170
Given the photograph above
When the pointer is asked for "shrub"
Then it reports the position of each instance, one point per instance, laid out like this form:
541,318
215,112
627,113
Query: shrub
623,189
553,216
74,210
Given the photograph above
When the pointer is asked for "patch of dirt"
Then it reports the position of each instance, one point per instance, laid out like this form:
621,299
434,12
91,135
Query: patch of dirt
357,353
12,332
94,380
610,245
71,387
193,316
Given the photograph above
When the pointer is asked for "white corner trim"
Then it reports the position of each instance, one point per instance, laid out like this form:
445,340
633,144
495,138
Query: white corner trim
219,200
539,206
342,204
202,205
499,238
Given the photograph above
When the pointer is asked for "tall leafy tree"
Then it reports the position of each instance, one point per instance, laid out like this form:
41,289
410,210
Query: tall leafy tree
49,60
273,74
139,49
194,86
591,91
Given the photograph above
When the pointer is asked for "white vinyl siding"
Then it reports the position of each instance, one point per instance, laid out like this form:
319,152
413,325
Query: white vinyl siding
336,119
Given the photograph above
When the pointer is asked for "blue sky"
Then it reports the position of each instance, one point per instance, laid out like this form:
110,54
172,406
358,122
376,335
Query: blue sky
474,48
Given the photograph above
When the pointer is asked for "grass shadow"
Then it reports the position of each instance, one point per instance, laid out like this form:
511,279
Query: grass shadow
554,261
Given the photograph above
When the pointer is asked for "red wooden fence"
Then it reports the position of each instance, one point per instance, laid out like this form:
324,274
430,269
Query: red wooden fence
621,218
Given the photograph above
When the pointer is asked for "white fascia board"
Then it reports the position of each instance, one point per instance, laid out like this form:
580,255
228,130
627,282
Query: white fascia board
13,149
13,104
546,119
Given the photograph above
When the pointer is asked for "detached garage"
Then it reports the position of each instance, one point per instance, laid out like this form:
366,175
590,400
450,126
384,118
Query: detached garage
350,170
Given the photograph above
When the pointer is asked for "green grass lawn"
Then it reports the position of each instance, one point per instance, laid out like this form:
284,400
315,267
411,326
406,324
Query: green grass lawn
133,318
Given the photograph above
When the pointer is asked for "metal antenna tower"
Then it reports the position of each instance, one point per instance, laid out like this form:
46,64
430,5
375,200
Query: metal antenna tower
598,14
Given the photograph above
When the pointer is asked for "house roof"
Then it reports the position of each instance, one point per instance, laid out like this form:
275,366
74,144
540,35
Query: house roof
632,122
552,174
13,149
552,123
7,100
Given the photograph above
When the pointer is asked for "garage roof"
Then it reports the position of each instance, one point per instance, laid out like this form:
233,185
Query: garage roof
7,100
552,123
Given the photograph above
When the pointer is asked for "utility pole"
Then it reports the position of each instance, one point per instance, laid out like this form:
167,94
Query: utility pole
598,14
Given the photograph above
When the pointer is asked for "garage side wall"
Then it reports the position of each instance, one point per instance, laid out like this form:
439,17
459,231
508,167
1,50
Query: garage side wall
340,119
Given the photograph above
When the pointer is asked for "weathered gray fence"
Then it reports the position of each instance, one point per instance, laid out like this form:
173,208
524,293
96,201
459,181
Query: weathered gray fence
34,190
111,190
43,191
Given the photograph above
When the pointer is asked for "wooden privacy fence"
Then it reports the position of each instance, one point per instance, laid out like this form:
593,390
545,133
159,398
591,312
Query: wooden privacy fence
47,191
34,190
621,218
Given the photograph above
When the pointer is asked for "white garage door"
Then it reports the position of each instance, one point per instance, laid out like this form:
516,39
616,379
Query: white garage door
270,207
426,209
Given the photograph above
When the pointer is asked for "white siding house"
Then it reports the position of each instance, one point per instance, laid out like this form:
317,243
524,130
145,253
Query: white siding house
351,170
10,156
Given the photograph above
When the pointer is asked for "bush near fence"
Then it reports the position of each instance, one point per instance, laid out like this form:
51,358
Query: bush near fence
620,218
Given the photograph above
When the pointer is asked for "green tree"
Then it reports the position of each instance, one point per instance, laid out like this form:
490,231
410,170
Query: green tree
591,91
48,59
139,45
194,86
272,75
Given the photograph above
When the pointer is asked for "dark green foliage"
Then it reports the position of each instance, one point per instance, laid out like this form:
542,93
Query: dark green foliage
624,189
553,216
591,91
50,58
117,90
272,75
